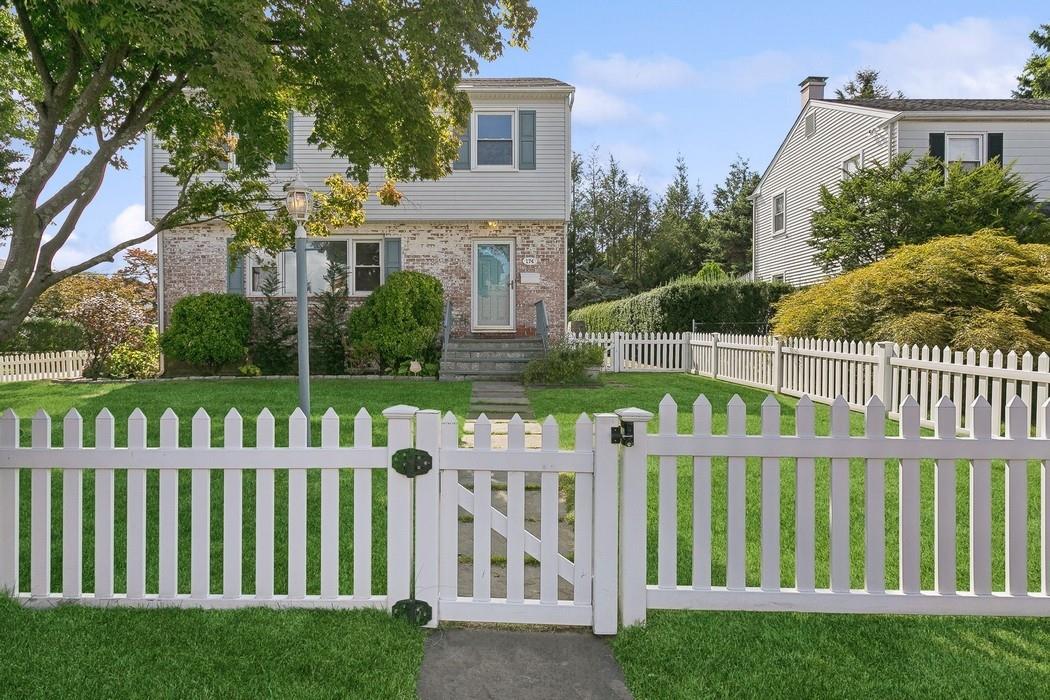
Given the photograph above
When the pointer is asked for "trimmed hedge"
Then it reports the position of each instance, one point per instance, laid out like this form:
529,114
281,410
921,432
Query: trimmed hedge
725,306
46,334
209,330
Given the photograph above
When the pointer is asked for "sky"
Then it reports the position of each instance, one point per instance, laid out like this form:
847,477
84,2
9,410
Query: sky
709,81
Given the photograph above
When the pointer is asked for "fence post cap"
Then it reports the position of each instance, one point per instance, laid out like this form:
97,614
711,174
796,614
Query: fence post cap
400,411
634,415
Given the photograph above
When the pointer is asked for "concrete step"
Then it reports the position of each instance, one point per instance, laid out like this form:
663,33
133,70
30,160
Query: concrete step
490,345
475,355
459,366
482,375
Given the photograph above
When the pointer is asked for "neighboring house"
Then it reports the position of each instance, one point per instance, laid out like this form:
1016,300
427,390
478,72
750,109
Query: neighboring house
493,231
833,137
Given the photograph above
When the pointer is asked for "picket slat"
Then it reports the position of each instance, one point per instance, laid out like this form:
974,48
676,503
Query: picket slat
329,511
264,509
805,538
167,558
735,537
701,499
839,502
981,502
362,511
72,510
40,512
482,591
298,432
232,508
944,502
549,517
667,513
104,508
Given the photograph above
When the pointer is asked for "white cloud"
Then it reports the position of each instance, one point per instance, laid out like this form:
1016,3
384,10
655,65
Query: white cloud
754,71
619,72
971,57
131,222
596,106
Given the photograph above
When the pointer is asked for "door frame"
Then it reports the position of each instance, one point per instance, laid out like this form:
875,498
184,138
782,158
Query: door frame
474,325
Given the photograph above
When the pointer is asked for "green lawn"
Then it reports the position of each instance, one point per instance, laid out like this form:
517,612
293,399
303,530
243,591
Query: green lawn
170,653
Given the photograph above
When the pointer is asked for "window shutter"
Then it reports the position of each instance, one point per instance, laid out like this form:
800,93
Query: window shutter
995,147
234,272
287,163
527,139
391,256
462,162
937,145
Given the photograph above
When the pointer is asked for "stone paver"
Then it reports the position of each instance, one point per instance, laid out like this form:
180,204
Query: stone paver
510,665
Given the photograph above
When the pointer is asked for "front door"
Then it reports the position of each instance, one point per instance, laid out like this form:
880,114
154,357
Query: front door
493,297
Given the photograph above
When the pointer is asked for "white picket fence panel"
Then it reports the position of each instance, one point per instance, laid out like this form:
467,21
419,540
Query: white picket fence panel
978,449
825,369
25,366
601,581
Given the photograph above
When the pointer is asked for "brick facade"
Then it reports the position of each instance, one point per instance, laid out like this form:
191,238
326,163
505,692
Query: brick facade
194,261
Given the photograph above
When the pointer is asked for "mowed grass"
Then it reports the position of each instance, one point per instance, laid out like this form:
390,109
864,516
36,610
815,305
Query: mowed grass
217,397
97,653
762,654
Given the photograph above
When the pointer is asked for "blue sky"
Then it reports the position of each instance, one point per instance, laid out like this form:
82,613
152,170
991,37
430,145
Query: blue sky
707,80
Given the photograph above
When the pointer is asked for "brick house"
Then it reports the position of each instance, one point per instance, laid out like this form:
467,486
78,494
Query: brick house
493,231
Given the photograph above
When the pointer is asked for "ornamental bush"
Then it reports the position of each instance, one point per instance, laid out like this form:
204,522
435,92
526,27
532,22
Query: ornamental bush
984,290
45,334
209,330
399,321
725,306
136,358
564,364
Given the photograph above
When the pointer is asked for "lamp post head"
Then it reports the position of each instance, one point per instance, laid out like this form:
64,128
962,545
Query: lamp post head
298,200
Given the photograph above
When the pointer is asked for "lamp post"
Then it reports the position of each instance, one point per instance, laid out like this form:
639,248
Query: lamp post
298,201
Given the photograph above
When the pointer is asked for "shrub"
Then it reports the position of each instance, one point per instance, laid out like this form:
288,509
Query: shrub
272,338
729,306
209,330
45,334
328,330
136,358
564,364
109,320
982,290
401,320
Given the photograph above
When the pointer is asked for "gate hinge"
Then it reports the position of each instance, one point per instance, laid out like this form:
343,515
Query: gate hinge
623,434
412,462
416,612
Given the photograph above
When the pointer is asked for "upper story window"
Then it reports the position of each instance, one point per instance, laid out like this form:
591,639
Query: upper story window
494,140
852,165
287,163
779,213
811,124
965,149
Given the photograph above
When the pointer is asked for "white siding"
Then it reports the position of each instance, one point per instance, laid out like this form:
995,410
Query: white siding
1026,144
539,194
800,168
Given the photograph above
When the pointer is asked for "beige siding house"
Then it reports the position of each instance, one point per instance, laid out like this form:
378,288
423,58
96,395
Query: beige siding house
493,231
830,138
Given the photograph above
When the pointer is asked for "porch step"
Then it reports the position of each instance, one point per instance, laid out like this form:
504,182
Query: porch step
495,362
481,358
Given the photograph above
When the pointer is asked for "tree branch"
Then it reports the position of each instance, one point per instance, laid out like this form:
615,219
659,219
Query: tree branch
50,249
35,50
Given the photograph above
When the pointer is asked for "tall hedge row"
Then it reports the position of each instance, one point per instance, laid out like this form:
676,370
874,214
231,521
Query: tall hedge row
726,306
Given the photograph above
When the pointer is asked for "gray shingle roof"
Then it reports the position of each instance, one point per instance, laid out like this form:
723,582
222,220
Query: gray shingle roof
514,82
949,105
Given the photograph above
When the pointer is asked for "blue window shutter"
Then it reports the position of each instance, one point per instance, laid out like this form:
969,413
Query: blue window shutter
391,256
234,272
462,162
937,145
995,147
288,162
527,139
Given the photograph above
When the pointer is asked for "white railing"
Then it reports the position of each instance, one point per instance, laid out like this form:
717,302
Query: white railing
24,366
735,569
826,369
601,580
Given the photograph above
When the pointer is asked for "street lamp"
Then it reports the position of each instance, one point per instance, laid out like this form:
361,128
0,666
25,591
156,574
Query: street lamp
299,201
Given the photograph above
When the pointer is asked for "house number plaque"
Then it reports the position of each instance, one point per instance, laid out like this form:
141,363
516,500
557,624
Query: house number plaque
528,260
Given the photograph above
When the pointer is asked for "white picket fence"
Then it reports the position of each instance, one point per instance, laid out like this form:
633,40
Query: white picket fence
24,366
601,581
826,369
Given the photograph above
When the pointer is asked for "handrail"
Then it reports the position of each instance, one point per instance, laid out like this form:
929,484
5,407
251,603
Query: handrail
541,323
446,324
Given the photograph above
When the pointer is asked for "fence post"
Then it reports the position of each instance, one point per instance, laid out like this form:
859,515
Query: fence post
687,352
884,375
633,515
778,367
606,525
617,352
714,355
70,369
399,507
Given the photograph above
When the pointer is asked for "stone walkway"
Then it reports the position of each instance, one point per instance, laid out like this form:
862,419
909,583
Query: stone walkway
499,400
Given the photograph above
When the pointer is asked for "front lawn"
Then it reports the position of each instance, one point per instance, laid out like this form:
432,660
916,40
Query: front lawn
96,653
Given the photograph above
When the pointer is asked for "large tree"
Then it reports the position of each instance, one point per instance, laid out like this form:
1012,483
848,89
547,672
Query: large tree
865,84
1034,80
678,245
86,80
730,224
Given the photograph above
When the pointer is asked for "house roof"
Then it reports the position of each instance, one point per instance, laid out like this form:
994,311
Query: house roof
946,105
514,83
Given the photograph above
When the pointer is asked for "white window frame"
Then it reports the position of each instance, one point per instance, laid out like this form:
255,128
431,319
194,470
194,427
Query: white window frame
494,111
858,156
773,213
779,277
982,149
351,259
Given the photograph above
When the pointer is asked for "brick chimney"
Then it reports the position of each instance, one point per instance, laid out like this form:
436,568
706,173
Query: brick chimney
813,88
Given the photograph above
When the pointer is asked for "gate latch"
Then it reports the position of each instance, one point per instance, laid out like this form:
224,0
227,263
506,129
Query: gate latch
623,434
412,462
416,612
